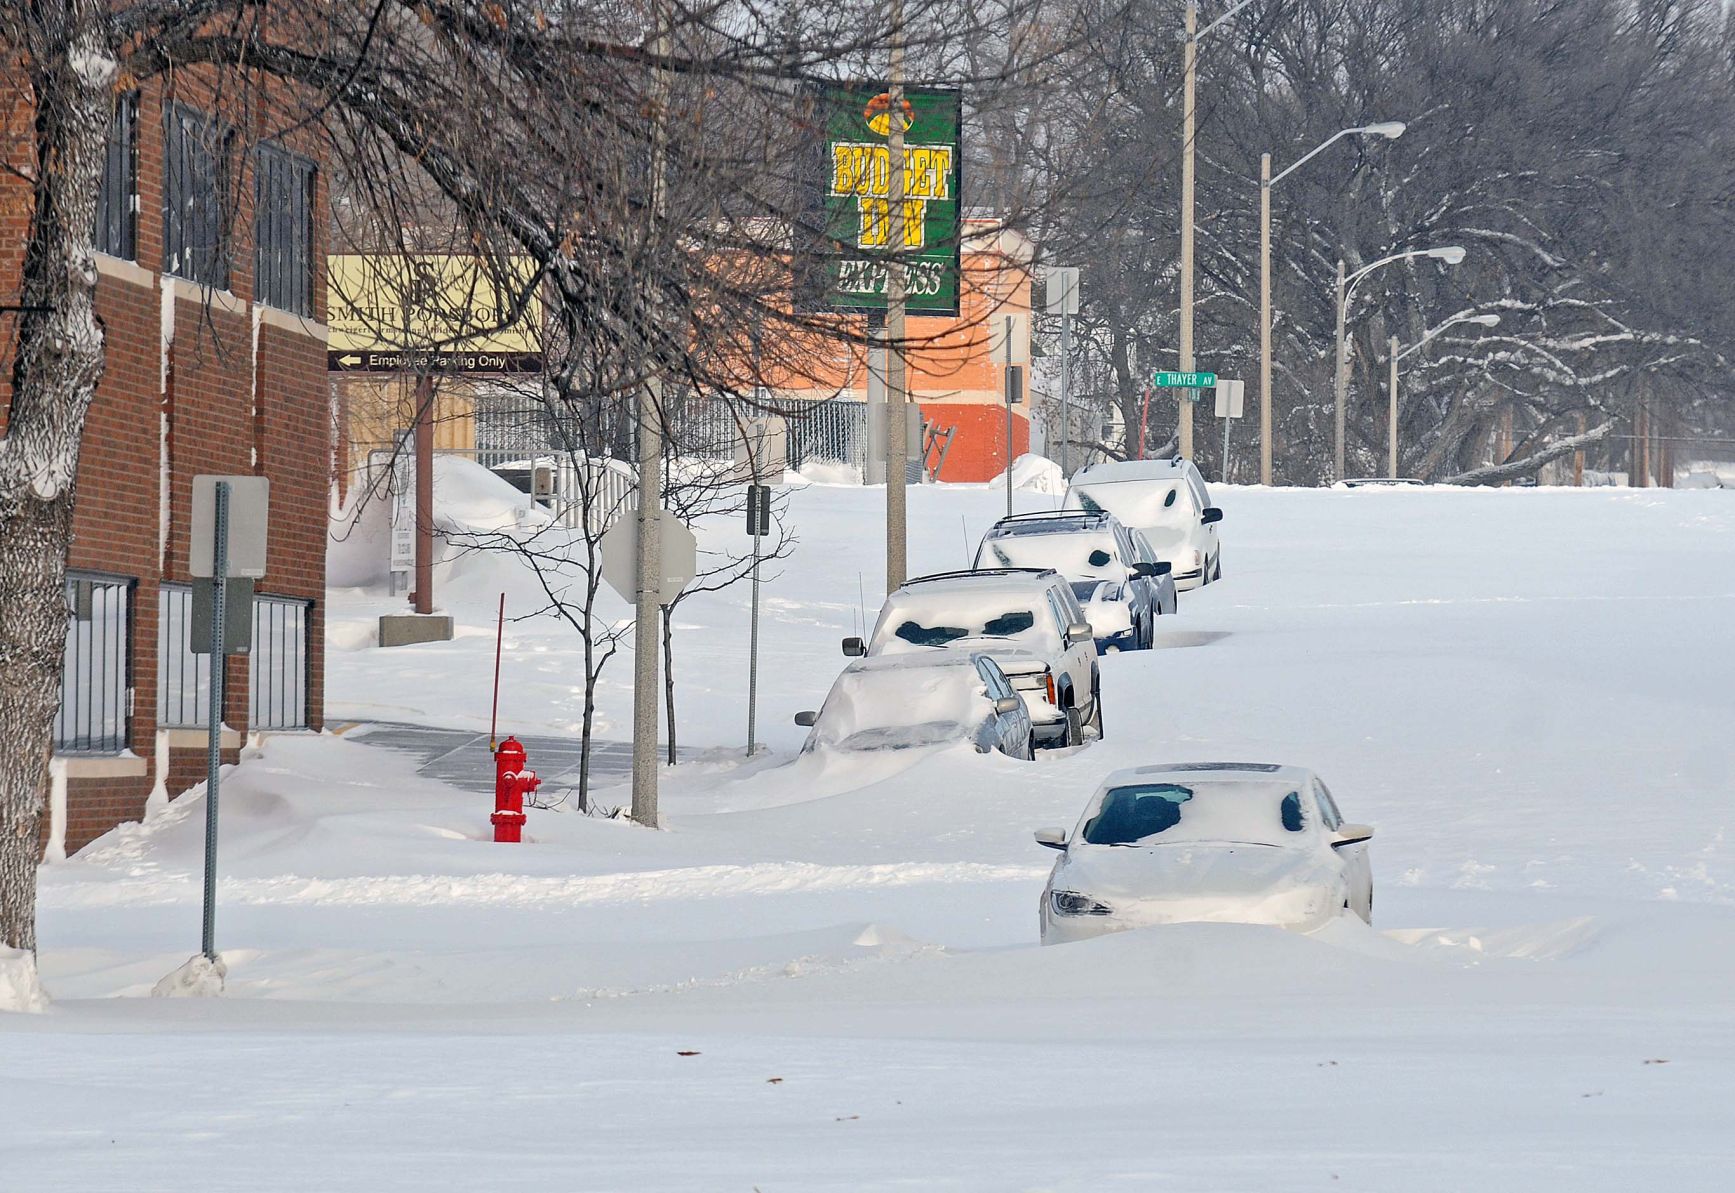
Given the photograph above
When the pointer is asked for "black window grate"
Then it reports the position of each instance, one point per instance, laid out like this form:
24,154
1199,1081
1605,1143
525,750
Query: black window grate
117,199
277,698
195,232
95,684
183,678
283,187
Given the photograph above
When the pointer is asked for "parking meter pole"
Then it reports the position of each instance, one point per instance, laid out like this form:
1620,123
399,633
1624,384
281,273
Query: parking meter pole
214,745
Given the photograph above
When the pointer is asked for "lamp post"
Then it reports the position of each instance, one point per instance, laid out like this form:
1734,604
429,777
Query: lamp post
1190,37
1451,254
1396,356
1390,129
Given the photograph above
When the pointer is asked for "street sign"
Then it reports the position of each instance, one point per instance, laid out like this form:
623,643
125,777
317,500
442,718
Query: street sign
620,557
249,504
1231,398
237,616
1183,380
457,360
1063,291
859,231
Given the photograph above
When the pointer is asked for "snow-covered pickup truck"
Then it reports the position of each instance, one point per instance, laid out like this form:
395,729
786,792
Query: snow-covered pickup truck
1026,619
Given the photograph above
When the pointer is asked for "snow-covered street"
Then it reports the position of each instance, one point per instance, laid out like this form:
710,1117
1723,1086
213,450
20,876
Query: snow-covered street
826,977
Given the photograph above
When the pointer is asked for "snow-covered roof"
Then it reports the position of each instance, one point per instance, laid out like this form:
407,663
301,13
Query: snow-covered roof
1239,772
1018,579
1109,471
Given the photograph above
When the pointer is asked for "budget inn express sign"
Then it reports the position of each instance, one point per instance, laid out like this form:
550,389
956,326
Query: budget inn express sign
860,229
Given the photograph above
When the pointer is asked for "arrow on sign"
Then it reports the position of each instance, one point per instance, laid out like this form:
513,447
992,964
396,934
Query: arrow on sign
351,359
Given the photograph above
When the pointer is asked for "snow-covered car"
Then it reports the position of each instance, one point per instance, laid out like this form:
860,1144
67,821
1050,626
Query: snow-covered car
1167,501
903,701
1225,842
1001,611
1119,588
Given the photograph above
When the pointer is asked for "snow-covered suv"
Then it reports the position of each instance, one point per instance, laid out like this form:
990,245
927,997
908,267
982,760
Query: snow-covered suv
1026,619
1167,500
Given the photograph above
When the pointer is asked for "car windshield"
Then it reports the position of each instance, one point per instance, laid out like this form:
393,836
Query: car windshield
1140,503
1163,813
1077,555
918,621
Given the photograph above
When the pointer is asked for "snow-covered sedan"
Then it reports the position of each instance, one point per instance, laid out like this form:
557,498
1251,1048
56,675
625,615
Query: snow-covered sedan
1227,842
1168,501
904,701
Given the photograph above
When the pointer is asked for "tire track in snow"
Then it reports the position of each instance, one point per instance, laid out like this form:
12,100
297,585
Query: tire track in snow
524,890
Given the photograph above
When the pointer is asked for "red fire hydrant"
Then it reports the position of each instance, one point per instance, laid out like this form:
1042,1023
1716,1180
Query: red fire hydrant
511,784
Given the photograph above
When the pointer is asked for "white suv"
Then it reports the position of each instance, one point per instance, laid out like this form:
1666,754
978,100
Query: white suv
1167,500
1026,619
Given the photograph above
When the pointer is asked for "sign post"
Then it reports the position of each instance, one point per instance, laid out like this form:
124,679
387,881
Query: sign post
1231,399
1063,300
758,525
228,541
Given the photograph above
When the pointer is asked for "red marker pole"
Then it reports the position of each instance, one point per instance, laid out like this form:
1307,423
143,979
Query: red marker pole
499,634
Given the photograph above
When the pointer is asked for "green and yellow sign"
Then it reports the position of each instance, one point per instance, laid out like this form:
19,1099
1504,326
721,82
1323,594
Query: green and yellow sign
860,231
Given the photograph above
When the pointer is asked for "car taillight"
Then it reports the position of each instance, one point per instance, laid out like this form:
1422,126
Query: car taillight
1048,683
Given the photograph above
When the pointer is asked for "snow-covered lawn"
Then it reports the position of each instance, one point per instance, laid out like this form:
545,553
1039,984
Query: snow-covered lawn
1530,694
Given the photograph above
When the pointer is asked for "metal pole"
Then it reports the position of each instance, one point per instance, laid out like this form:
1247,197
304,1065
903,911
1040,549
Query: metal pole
1227,423
1392,417
1340,381
1189,64
897,402
1007,387
647,615
214,721
424,602
1265,446
1065,391
753,635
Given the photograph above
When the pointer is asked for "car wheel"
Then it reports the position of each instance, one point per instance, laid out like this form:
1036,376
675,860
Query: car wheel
1074,726
1217,567
1096,711
1030,748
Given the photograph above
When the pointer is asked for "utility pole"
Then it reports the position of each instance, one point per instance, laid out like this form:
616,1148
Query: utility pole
897,377
1265,448
1189,68
648,612
1010,388
1065,390
1392,417
1340,382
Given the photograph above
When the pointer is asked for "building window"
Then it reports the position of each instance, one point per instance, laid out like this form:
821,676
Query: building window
95,692
183,678
278,675
195,231
117,198
283,230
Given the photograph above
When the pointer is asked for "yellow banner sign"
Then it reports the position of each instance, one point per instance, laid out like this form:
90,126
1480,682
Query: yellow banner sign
394,303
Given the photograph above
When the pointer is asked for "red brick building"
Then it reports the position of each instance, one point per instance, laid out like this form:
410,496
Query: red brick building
211,292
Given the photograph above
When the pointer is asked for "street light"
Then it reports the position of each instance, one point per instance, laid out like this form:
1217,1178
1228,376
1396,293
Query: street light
1396,356
1451,254
1190,37
1391,130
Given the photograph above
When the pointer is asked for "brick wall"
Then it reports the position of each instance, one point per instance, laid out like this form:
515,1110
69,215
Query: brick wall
244,392
978,451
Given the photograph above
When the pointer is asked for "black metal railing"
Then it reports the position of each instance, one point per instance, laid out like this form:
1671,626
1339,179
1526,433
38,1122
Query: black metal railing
183,678
278,692
96,680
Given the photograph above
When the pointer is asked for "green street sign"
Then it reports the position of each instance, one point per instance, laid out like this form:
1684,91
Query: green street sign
1184,380
858,231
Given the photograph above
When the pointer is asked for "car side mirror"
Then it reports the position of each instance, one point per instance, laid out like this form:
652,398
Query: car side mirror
1162,567
854,648
1352,834
1144,571
1008,704
806,719
1211,514
1053,838
1079,631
